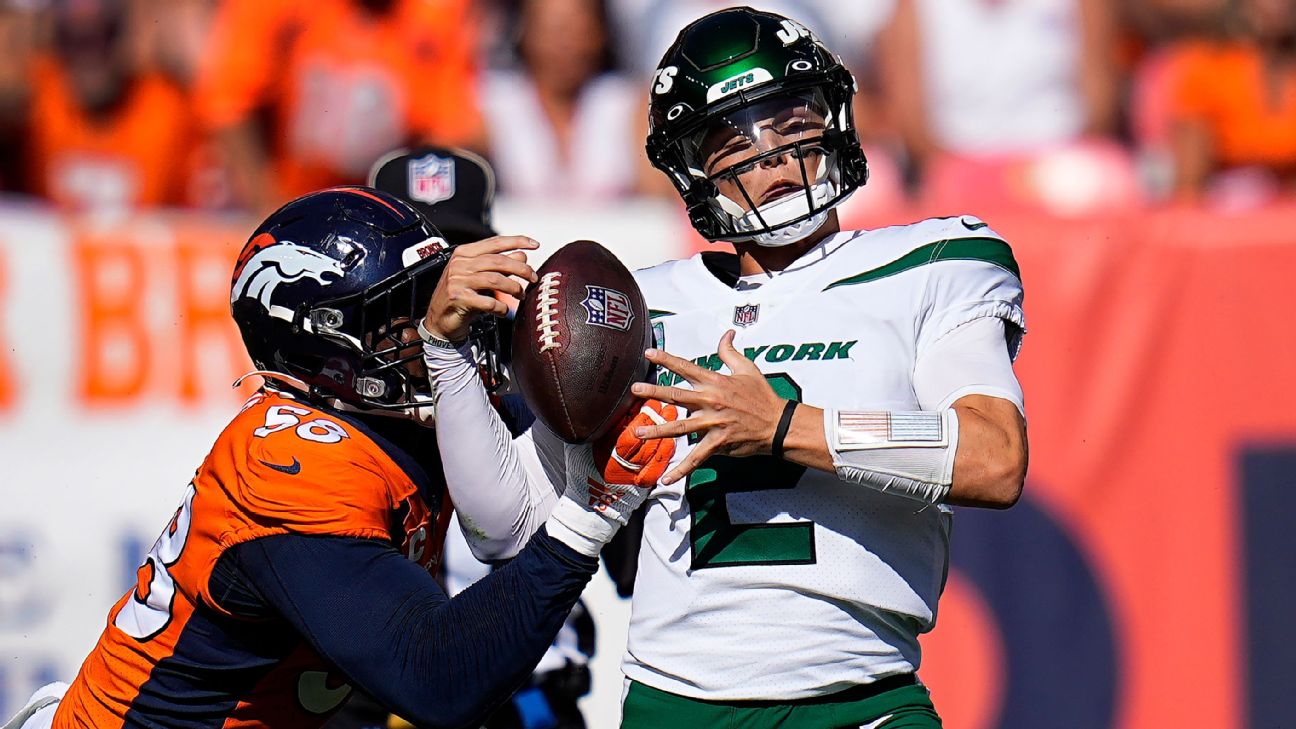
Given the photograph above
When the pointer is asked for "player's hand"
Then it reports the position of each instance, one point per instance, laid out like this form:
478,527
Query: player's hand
593,507
475,274
610,478
625,458
737,414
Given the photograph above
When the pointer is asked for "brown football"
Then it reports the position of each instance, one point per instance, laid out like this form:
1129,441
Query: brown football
578,341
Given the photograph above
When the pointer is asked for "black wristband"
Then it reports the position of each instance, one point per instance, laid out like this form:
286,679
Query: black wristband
785,422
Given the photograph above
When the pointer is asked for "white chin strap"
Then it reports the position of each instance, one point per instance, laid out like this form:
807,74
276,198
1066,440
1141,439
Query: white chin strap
790,234
776,213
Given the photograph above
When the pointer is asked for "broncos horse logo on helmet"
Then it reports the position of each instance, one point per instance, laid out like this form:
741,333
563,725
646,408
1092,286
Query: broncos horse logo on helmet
324,299
271,265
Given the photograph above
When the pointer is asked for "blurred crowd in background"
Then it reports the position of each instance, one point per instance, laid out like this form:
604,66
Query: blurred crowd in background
1069,105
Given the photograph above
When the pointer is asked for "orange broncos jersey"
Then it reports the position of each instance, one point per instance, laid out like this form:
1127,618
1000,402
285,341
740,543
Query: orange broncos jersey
281,467
343,87
138,155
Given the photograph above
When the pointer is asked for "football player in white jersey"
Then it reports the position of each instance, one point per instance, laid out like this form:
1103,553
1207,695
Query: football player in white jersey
842,390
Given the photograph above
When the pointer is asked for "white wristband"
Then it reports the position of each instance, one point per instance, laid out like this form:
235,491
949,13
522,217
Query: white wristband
909,454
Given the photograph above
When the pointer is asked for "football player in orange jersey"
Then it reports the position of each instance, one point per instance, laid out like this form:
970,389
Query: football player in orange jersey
336,83
298,562
105,133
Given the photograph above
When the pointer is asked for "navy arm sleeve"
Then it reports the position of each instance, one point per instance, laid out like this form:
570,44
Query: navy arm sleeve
387,624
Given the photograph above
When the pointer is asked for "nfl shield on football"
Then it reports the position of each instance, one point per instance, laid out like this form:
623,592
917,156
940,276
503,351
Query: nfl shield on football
578,341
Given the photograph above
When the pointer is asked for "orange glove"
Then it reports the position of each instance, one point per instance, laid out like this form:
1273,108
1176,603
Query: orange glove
625,459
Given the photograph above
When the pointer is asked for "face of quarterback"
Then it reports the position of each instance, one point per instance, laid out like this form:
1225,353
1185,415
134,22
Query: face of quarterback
729,147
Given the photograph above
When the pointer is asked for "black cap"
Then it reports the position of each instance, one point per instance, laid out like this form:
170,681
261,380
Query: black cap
454,188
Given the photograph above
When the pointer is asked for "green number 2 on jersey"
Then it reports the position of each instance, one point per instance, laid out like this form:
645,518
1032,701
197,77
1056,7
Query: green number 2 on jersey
718,542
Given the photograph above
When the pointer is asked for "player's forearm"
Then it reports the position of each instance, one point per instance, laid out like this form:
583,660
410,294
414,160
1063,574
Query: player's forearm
500,492
436,661
491,636
985,464
971,454
990,466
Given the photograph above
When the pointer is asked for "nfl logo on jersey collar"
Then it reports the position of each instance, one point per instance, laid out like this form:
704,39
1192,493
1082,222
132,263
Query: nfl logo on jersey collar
431,179
746,315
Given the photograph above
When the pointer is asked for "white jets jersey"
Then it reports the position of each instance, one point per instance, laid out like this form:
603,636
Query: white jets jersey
759,578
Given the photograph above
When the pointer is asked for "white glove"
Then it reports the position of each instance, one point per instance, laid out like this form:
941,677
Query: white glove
591,510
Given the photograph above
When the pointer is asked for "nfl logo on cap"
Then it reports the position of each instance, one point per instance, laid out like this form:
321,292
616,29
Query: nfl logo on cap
431,179
606,307
745,315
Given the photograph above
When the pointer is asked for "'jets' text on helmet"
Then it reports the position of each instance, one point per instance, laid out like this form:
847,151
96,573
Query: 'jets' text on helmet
328,291
750,118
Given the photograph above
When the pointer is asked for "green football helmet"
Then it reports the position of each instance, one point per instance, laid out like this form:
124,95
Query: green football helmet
738,98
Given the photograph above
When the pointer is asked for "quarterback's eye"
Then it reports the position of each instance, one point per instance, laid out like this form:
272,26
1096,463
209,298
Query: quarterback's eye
799,126
798,120
730,153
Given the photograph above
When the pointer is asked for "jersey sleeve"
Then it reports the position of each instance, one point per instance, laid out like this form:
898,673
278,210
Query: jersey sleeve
392,631
970,360
970,278
503,486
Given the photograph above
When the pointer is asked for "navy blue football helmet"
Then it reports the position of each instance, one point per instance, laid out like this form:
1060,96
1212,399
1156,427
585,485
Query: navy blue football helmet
329,290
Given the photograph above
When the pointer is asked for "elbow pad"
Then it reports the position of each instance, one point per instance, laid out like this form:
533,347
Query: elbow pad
909,454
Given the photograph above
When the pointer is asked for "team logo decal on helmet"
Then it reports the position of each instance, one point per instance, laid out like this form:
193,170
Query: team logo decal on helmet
742,80
427,248
257,276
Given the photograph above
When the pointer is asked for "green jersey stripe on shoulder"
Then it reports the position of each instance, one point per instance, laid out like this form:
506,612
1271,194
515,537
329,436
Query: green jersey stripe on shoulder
990,250
659,313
